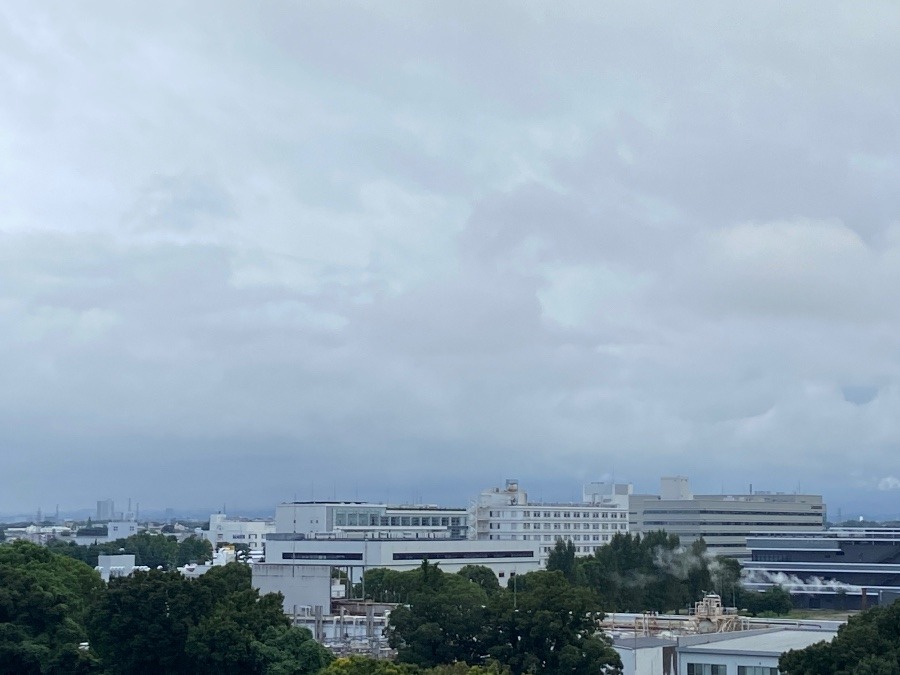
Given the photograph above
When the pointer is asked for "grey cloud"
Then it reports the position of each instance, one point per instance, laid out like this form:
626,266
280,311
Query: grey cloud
375,247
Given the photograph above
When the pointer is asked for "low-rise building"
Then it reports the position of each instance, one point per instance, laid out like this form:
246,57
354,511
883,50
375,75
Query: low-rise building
302,567
743,653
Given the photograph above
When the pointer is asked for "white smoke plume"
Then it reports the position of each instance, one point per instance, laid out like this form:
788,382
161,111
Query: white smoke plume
792,582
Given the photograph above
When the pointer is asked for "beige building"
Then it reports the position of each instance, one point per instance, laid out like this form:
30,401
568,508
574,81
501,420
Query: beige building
723,521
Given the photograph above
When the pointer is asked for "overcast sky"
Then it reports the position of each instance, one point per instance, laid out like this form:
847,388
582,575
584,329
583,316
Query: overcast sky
402,251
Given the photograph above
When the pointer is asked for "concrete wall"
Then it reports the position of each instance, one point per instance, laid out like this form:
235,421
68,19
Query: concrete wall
302,585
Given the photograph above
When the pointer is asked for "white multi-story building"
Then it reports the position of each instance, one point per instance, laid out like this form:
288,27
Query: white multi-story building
373,520
505,514
224,530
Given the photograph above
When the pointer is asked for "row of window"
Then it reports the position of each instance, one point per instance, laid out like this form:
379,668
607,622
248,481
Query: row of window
374,520
738,523
569,537
560,514
578,549
731,512
707,669
559,526
722,669
571,526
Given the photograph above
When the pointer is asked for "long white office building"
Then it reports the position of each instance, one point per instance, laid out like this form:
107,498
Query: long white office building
506,514
373,520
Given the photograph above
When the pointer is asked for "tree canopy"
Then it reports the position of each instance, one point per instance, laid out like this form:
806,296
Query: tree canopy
44,603
542,625
150,550
58,617
868,644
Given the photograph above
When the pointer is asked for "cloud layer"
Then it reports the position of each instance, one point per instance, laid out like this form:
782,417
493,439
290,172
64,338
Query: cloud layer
404,251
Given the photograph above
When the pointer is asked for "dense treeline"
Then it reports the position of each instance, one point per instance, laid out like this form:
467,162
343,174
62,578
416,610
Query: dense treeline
655,573
57,616
868,644
149,550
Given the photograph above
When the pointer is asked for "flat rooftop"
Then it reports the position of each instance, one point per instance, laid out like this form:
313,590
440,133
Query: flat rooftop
776,642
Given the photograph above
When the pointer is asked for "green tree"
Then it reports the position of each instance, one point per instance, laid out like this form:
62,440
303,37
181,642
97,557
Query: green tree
141,623
442,622
868,644
774,601
482,576
193,550
162,622
44,599
562,559
548,627
360,665
292,651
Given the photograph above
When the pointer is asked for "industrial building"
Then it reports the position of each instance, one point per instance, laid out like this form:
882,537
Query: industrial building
506,514
301,567
723,521
841,568
712,640
315,540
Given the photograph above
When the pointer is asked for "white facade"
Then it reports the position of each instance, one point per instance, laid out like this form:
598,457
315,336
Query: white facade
121,529
368,519
723,521
223,530
646,655
505,514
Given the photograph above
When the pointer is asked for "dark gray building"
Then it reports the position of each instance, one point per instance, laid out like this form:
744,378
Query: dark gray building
842,568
